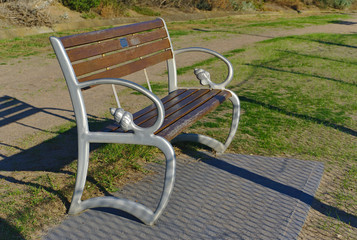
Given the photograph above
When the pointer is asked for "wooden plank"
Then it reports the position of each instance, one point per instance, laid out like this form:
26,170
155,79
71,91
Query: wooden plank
180,111
171,106
163,100
175,123
169,132
99,48
120,57
130,67
114,126
111,127
85,38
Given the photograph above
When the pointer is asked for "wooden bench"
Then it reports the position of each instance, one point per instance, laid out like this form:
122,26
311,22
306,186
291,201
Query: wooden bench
104,57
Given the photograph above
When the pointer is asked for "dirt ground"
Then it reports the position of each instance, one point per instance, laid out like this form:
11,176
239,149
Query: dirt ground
34,98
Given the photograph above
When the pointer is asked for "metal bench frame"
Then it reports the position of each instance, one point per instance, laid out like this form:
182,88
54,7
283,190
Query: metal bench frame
137,134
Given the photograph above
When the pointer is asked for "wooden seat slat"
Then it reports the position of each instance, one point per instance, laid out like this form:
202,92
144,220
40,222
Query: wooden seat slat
169,132
120,57
168,106
114,126
99,48
164,100
84,38
180,111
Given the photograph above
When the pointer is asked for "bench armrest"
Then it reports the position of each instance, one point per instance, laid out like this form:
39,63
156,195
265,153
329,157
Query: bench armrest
229,77
139,88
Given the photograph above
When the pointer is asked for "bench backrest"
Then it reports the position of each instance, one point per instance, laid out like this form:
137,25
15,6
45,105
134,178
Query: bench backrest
118,51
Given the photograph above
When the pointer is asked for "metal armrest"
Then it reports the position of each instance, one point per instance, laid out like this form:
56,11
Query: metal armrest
139,88
225,60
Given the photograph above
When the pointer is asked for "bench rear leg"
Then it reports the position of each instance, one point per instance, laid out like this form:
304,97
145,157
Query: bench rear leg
211,142
235,119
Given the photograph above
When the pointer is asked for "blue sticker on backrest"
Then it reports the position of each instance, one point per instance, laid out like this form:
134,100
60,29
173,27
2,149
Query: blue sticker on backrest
123,42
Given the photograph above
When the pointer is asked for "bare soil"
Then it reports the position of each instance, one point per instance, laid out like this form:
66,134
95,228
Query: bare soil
35,99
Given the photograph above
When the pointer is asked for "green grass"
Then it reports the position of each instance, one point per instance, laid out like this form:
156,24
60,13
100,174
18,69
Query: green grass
183,70
112,161
32,45
255,24
299,99
145,11
157,87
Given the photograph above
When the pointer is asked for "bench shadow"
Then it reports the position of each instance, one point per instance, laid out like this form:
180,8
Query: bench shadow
119,213
51,155
12,110
9,232
308,199
343,22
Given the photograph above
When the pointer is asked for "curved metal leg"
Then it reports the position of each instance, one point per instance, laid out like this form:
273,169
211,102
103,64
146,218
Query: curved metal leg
82,168
138,210
169,181
210,142
235,119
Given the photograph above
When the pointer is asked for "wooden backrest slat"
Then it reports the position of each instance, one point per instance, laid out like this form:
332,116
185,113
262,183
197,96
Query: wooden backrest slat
100,48
85,38
129,68
120,57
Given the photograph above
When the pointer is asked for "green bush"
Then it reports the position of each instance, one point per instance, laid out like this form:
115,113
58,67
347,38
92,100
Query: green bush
238,5
145,11
204,5
81,5
341,4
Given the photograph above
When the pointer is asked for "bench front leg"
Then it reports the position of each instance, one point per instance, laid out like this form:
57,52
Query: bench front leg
145,214
82,169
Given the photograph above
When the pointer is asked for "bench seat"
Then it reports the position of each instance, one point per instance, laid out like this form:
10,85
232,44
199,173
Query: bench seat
183,108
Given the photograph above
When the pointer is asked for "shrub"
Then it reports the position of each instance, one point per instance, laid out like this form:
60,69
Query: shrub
145,11
204,5
81,5
339,4
112,8
237,5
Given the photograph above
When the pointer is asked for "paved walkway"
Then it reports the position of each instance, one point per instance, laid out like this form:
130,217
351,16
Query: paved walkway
230,197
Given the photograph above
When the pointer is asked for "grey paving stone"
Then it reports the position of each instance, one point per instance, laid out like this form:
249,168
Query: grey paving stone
227,197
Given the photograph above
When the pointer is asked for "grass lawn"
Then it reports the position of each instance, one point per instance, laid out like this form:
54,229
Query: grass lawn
298,98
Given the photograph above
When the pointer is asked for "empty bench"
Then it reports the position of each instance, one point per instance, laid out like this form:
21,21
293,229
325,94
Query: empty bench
104,57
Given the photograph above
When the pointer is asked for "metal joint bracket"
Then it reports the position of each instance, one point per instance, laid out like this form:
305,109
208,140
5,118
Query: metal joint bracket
123,118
